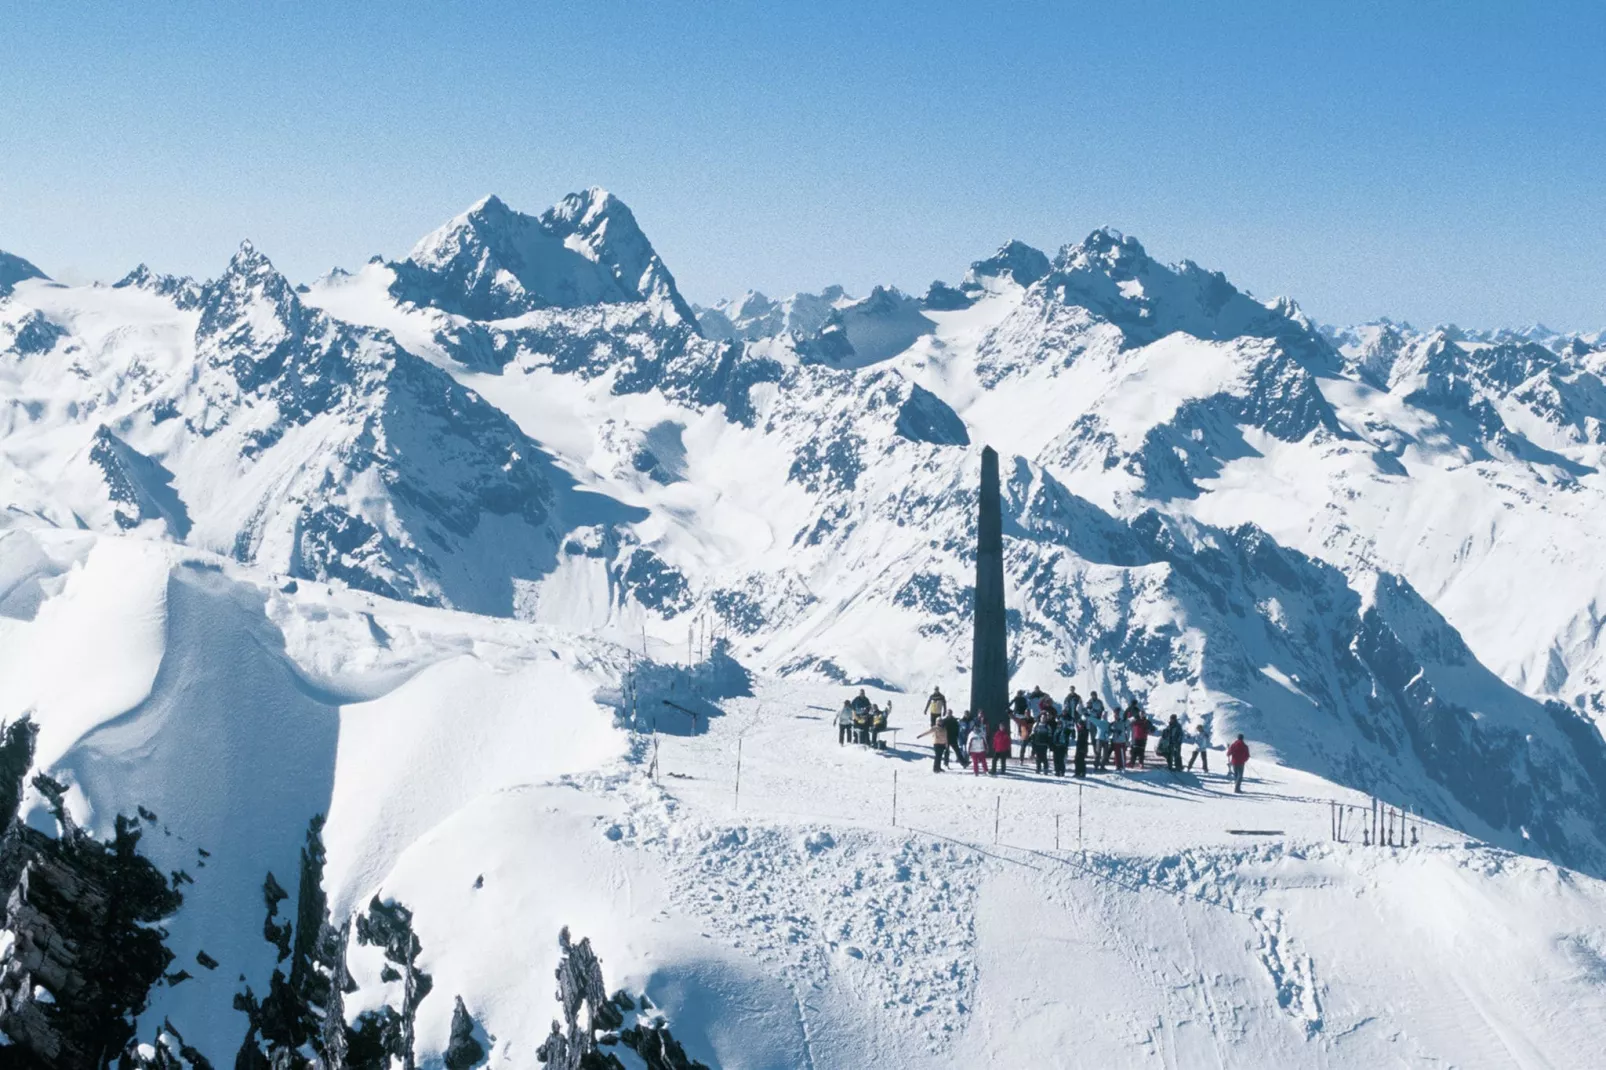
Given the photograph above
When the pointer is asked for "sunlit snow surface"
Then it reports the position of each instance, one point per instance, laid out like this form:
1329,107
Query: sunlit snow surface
267,554
793,924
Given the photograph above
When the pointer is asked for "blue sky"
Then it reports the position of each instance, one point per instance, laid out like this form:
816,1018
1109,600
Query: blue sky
1431,161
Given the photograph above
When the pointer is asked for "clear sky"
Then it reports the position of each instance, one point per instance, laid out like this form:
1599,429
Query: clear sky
1431,161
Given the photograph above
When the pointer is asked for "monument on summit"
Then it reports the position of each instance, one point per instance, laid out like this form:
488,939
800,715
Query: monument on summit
989,657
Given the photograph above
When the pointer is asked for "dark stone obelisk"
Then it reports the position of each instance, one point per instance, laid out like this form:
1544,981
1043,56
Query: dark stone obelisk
989,655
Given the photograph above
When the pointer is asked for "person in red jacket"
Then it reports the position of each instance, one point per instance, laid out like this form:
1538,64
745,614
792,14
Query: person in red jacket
1237,757
1140,734
1000,748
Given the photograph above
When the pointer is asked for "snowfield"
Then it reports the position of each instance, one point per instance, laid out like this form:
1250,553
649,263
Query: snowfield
500,587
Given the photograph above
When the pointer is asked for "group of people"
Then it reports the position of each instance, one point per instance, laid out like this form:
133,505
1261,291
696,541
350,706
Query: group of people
1083,731
862,721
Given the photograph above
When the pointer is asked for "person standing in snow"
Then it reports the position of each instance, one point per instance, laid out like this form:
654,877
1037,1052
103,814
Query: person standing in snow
861,701
1040,739
1101,736
844,723
950,725
1000,743
1237,758
939,744
1082,733
1171,744
1201,746
1060,741
977,745
1021,712
936,705
1073,704
861,722
1120,733
1139,727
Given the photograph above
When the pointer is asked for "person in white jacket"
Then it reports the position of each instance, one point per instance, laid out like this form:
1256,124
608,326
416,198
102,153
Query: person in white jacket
844,723
978,750
1201,747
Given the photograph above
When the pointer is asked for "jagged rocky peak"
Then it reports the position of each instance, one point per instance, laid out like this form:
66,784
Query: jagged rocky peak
880,325
493,262
248,314
754,316
14,269
1113,277
1015,261
185,291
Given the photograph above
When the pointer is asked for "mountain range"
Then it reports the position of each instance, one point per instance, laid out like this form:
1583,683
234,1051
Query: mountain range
1374,550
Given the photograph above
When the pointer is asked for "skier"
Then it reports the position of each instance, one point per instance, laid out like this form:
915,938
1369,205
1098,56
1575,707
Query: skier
844,723
1140,733
936,705
1237,758
950,724
1171,744
878,724
939,744
1073,703
1000,750
1201,746
1082,732
977,745
1060,742
1042,733
1101,737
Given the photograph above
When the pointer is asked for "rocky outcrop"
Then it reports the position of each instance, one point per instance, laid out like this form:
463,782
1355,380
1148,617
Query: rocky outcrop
81,943
576,1043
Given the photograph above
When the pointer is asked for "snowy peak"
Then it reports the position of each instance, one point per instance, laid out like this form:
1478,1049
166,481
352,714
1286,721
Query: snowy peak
1014,260
493,262
754,316
1113,277
183,290
879,326
14,269
250,308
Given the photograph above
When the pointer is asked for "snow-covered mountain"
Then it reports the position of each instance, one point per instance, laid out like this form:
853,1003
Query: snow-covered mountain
754,316
346,536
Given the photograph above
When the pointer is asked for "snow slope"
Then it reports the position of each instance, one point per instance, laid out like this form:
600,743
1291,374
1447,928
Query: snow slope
468,770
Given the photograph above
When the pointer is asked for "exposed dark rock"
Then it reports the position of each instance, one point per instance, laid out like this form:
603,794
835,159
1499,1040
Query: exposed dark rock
81,919
463,1050
573,1043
